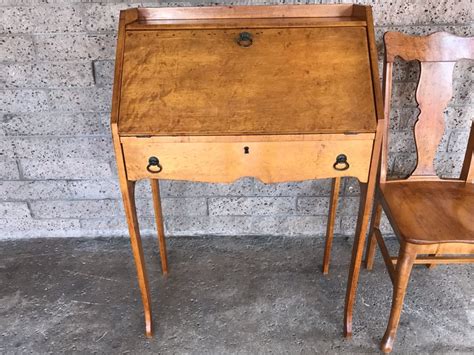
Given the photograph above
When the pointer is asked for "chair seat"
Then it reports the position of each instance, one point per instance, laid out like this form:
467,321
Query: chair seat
430,212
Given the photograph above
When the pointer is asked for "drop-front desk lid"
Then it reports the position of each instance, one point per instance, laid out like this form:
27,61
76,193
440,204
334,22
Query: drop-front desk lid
246,76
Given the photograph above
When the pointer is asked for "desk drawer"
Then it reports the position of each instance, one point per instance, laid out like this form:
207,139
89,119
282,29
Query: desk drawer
269,161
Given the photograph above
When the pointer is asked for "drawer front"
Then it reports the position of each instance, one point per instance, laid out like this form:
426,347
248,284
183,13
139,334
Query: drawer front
246,81
228,161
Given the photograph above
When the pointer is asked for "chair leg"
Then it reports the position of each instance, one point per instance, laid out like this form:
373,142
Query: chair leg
155,190
405,262
431,266
336,186
128,193
375,223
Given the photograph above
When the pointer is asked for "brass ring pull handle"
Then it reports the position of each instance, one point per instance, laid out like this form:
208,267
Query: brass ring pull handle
154,161
341,163
245,39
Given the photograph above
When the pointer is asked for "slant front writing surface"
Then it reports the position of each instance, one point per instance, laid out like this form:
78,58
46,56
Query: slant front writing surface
287,80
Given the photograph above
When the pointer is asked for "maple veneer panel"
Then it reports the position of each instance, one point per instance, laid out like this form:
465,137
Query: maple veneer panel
290,80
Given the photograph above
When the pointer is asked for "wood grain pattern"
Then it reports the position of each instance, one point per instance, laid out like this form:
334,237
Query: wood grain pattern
125,18
155,191
387,105
243,12
374,225
310,80
430,211
291,22
433,260
406,258
437,47
253,138
365,12
269,162
336,186
365,204
385,254
433,94
446,249
127,188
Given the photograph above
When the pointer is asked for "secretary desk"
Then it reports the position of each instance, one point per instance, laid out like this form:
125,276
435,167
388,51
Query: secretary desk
278,93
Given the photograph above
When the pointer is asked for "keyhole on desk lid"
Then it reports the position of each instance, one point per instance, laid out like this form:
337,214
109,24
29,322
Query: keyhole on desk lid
246,150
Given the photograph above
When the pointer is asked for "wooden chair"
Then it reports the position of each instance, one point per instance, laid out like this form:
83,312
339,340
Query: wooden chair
432,217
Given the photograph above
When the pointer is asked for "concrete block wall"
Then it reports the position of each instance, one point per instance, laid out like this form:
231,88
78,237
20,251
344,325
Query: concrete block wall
57,171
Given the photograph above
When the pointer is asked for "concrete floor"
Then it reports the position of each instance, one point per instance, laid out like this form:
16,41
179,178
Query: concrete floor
224,295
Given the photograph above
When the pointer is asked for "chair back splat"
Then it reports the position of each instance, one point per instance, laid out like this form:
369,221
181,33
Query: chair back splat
437,54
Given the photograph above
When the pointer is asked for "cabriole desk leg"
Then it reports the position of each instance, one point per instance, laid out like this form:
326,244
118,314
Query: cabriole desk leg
128,193
155,190
367,191
357,250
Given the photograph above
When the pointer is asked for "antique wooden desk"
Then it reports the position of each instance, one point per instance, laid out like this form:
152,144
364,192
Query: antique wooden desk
279,93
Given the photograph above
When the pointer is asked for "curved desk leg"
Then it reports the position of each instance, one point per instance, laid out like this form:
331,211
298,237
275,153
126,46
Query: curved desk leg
367,191
155,190
336,186
357,251
128,193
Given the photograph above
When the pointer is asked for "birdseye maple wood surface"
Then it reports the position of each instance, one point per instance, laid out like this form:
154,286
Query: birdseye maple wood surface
279,93
289,80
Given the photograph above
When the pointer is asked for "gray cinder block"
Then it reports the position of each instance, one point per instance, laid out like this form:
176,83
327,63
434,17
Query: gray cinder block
56,75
